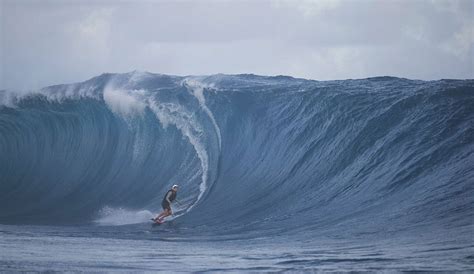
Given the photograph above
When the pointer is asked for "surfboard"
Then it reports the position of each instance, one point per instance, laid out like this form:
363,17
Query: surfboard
155,222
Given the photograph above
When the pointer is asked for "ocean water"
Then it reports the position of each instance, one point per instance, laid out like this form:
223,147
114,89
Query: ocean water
275,173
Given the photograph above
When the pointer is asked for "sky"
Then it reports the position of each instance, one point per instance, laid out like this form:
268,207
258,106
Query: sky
52,42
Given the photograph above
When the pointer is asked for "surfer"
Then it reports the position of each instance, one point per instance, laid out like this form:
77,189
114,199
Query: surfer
170,196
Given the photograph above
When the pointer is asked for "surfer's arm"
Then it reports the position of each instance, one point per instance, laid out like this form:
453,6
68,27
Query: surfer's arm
168,197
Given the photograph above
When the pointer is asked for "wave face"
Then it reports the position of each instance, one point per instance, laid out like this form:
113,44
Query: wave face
378,154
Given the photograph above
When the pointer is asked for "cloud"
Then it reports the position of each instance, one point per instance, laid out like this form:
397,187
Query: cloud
50,42
309,7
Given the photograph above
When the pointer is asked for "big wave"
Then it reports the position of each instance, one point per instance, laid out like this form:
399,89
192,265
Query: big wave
249,152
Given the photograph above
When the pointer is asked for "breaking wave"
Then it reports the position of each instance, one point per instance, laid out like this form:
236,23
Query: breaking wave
248,152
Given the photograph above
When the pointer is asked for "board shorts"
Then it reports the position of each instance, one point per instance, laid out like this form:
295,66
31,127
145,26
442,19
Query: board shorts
165,205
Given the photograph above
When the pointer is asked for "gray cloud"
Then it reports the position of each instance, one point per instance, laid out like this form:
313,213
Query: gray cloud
49,42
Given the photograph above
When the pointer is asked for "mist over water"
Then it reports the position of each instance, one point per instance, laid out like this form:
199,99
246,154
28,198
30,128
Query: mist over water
327,172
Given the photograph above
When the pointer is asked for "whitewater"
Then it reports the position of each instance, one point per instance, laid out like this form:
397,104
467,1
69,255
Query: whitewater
275,173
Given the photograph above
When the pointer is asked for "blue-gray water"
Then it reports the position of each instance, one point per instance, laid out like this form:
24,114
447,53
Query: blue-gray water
275,173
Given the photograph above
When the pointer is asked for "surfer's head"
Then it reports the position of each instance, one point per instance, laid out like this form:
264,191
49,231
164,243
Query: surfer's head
174,187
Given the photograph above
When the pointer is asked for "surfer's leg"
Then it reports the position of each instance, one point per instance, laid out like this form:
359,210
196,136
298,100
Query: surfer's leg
166,213
160,215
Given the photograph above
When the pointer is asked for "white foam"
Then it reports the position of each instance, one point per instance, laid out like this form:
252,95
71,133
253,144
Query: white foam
125,103
197,89
120,216
138,76
10,98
